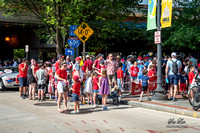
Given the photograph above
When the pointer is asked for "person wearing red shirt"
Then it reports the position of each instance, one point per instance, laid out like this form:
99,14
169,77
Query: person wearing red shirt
96,62
89,65
120,77
191,76
95,86
22,77
62,85
76,93
134,73
57,66
151,71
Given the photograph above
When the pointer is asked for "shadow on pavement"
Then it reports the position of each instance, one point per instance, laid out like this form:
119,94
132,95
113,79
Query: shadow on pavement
82,111
45,104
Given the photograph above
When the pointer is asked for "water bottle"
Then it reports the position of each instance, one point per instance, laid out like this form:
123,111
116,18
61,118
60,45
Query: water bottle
167,80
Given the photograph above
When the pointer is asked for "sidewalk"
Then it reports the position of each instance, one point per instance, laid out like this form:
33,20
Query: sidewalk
181,106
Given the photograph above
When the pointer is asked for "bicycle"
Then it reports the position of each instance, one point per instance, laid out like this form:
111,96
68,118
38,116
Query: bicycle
194,95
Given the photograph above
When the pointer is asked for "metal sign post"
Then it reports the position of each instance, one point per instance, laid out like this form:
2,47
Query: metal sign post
159,91
26,50
83,32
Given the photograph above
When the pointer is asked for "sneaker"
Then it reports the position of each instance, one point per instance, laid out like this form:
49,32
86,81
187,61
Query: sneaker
43,99
148,99
39,99
105,108
81,103
77,111
95,106
184,96
140,100
56,100
174,99
73,112
171,98
23,96
50,99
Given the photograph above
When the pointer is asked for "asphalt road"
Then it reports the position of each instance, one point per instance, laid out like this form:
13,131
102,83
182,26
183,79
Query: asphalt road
25,116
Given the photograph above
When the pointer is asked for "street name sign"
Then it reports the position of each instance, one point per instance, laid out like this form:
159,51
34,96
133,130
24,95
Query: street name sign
69,51
157,37
83,32
72,28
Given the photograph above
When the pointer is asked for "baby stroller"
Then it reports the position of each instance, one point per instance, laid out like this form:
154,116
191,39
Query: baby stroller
113,98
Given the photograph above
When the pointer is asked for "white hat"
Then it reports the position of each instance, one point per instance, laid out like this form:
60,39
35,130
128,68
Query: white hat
87,56
173,54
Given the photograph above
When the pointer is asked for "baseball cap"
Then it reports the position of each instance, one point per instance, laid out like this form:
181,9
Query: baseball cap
173,54
122,60
76,78
60,56
100,55
101,62
78,58
118,56
87,56
128,56
150,59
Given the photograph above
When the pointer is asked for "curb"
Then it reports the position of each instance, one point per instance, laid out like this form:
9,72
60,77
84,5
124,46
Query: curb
167,108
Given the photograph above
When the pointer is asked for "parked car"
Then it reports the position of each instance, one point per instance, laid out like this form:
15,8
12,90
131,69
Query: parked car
8,77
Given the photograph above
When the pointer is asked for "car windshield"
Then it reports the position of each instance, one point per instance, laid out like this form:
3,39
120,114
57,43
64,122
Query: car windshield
9,69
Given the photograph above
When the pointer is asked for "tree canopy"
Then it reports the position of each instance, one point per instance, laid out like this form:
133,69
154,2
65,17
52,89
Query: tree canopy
57,15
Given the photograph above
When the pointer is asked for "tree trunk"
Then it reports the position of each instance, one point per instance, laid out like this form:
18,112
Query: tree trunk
59,46
59,39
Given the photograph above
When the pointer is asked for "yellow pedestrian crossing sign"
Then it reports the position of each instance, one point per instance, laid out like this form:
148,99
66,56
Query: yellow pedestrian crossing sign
83,32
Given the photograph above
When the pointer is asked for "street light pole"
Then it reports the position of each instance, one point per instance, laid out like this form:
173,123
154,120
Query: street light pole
159,92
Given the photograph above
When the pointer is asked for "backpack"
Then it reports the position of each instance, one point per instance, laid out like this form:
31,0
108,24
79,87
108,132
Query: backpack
175,67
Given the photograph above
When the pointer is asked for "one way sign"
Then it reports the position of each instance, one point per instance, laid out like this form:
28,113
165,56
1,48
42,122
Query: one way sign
69,51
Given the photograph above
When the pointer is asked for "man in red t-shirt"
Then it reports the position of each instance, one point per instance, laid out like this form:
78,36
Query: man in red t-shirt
22,77
88,63
96,62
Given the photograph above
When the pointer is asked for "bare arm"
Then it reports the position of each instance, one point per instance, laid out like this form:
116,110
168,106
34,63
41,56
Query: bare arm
166,70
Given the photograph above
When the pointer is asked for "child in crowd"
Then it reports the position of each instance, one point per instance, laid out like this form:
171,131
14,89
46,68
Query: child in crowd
134,74
76,93
151,71
88,89
95,87
145,81
41,81
183,82
104,88
120,77
51,86
191,77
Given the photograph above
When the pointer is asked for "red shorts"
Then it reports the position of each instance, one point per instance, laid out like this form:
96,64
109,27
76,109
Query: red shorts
182,87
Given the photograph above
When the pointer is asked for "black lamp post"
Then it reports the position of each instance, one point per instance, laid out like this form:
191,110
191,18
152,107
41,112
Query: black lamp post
159,92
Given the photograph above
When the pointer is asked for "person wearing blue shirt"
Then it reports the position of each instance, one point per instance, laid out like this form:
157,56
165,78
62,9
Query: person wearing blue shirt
141,67
144,82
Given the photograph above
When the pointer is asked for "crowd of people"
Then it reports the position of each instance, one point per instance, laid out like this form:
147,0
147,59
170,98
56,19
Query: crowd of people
99,76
